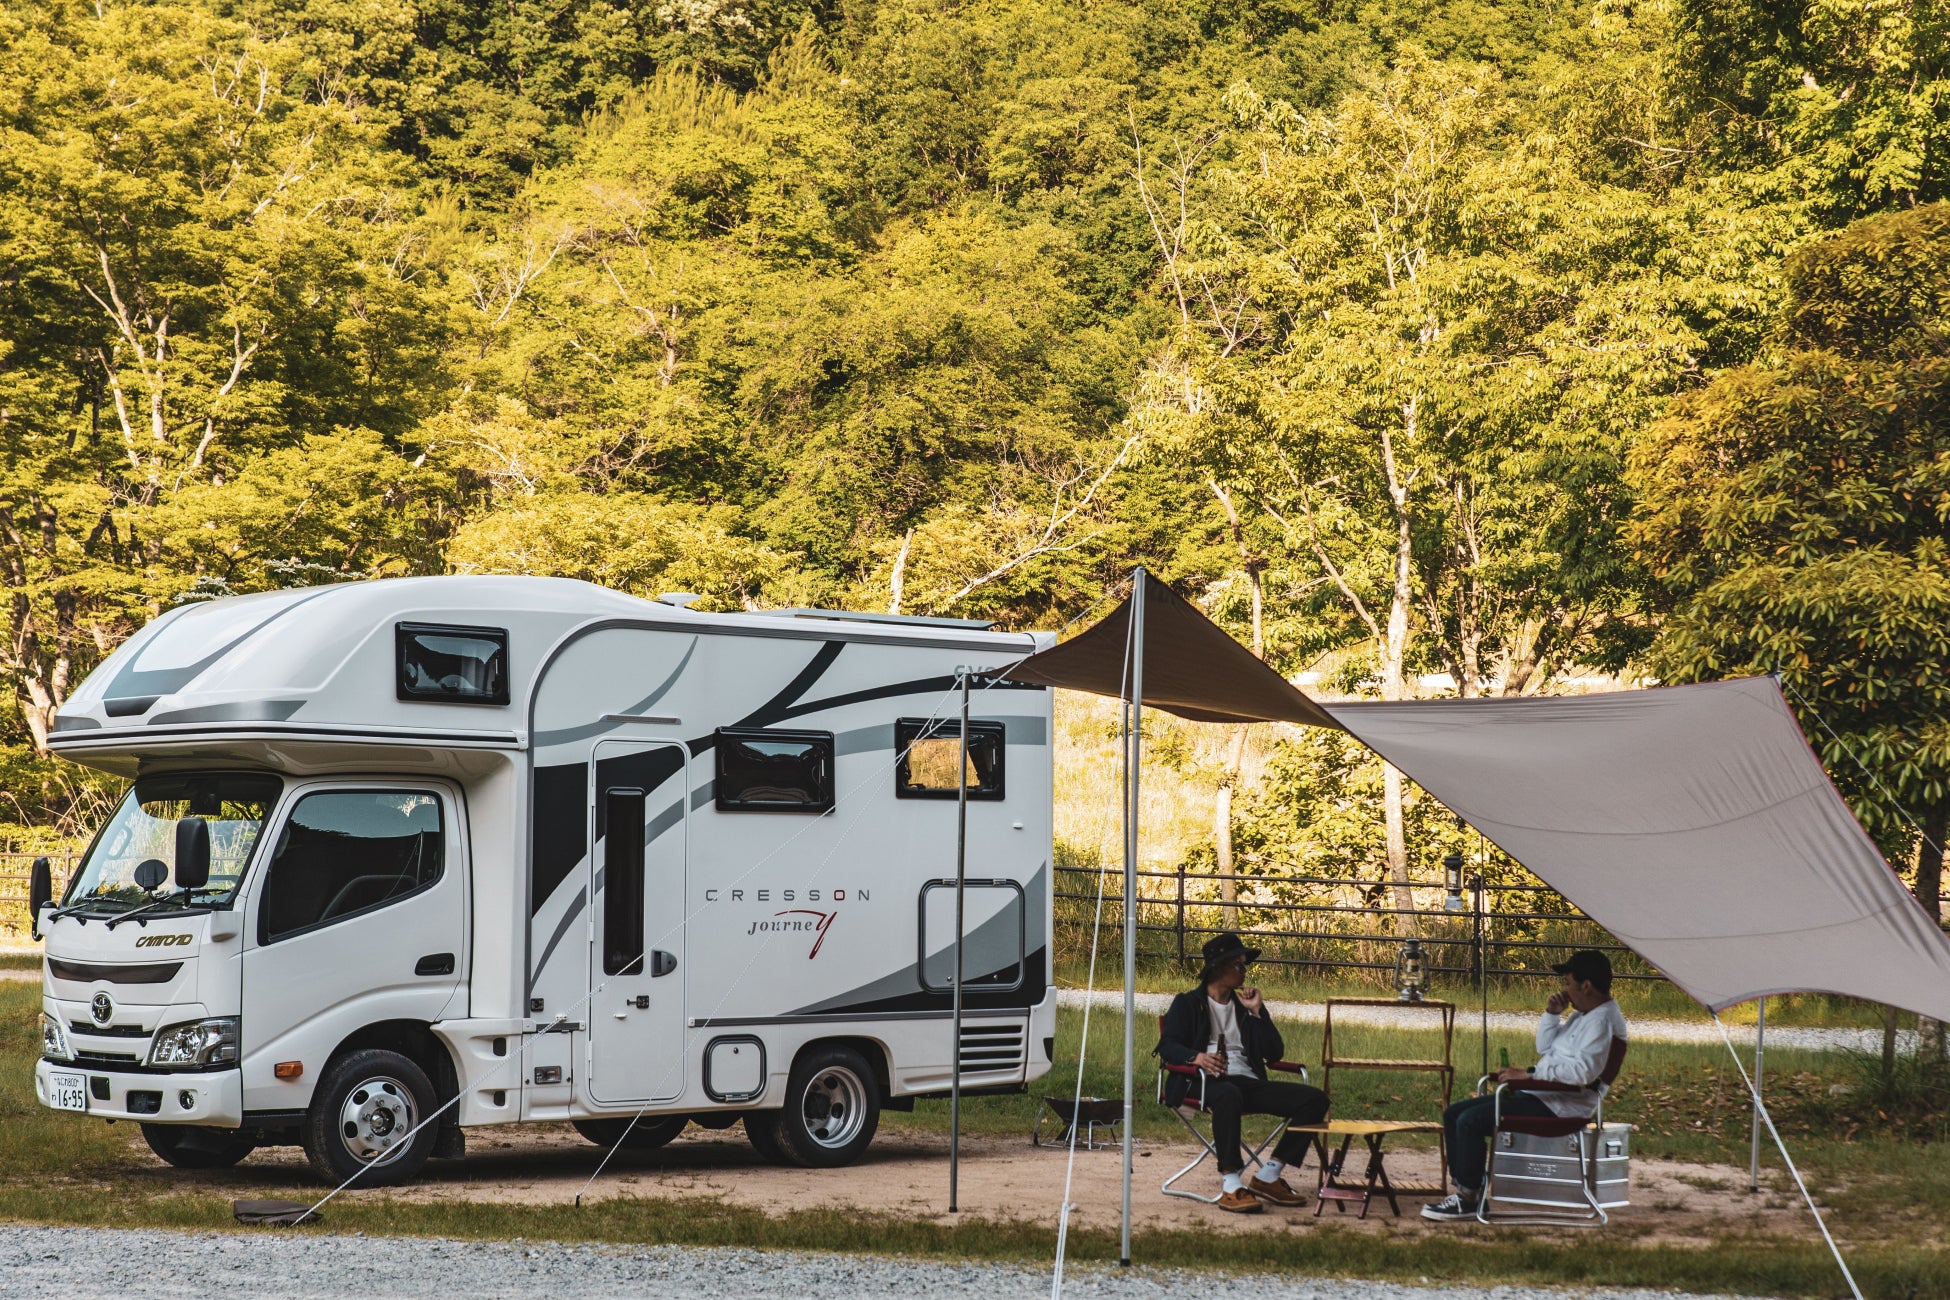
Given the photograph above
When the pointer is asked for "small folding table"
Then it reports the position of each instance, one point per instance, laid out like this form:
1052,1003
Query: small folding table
1375,1181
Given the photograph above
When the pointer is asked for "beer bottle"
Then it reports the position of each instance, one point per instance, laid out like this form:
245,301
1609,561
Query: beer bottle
1503,1057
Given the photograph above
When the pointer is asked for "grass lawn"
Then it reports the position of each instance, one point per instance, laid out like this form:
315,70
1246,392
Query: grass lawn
1871,1157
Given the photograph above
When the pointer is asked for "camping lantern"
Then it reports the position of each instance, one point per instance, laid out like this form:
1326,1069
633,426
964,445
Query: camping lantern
1411,972
1452,882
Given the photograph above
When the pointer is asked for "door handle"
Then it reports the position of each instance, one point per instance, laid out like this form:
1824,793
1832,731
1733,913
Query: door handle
438,963
661,963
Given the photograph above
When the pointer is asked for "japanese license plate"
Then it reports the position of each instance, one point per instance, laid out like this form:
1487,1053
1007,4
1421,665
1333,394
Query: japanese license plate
68,1091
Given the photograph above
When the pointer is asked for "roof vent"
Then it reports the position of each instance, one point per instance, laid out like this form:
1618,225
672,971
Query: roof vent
681,599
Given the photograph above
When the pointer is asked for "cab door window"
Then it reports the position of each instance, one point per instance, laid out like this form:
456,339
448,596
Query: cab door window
343,853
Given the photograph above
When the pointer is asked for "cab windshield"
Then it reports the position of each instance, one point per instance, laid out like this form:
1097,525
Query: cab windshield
133,861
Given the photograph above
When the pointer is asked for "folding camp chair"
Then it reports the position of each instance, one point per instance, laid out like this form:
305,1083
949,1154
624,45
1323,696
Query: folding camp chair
1538,1182
1193,1106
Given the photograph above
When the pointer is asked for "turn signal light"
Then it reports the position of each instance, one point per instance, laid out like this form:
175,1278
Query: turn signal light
288,1069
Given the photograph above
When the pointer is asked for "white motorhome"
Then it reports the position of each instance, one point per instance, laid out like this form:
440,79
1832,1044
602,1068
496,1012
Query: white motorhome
551,851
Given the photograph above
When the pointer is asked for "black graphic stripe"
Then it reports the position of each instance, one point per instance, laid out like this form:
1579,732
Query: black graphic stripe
780,705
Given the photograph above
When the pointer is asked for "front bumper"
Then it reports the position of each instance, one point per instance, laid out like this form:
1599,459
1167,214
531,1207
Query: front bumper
207,1097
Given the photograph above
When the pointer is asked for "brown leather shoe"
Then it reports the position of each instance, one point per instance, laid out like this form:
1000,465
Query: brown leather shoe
1275,1193
1239,1202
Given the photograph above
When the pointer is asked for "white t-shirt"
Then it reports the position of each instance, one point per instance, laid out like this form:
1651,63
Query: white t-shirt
1225,1033
1574,1049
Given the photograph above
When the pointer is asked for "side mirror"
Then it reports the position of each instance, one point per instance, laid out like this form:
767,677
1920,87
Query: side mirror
149,874
40,892
192,853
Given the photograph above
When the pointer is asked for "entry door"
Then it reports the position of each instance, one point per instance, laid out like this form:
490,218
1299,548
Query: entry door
636,1015
357,914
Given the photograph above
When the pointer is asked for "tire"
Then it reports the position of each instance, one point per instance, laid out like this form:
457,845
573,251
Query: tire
762,1131
365,1106
832,1107
197,1148
647,1133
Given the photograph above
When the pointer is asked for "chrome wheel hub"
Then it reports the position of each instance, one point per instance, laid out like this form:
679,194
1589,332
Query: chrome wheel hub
835,1106
376,1117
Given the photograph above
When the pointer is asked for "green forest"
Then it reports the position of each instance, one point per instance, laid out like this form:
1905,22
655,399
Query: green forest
1503,340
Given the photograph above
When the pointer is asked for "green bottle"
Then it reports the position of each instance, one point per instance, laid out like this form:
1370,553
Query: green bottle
1503,1057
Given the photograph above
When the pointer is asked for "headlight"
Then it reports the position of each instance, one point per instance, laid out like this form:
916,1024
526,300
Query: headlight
54,1039
200,1042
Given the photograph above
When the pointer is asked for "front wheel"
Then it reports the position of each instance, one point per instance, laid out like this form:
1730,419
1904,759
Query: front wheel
832,1107
197,1148
646,1133
363,1117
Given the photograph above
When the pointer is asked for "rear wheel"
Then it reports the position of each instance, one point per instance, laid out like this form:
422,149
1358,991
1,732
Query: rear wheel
762,1131
832,1107
363,1117
646,1133
197,1148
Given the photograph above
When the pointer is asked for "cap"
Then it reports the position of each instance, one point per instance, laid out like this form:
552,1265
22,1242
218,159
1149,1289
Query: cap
1587,965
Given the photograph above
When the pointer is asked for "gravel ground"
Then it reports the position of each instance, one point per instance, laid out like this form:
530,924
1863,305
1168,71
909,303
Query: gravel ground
1645,1030
114,1263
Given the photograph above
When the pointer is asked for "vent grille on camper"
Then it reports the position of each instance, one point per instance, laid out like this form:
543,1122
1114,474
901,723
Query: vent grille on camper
989,1045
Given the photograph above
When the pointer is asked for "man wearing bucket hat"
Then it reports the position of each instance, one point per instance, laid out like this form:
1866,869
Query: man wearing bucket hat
1221,1027
1572,1051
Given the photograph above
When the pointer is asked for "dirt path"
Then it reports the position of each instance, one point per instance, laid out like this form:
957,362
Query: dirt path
906,1174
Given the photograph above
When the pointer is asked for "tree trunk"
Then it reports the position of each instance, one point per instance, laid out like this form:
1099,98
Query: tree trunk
1930,1037
1229,778
900,574
1222,829
1394,656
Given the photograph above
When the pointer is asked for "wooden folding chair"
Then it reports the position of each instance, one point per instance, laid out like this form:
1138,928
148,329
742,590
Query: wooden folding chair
1193,1106
1584,1133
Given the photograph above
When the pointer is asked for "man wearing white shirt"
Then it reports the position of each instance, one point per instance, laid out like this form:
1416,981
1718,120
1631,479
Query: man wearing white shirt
1571,1050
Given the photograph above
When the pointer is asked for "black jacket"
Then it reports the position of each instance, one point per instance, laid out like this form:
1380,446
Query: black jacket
1188,1029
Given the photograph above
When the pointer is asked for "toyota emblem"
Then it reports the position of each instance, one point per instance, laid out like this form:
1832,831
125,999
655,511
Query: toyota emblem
103,1008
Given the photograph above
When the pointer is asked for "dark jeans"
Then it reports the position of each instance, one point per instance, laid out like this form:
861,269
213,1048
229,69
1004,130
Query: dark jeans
1466,1128
1233,1095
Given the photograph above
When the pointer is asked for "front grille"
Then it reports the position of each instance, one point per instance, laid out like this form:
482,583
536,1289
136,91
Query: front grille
107,1031
81,972
988,1046
114,1060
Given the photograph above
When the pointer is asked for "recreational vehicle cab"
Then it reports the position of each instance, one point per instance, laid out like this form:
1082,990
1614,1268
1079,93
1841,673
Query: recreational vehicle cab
544,852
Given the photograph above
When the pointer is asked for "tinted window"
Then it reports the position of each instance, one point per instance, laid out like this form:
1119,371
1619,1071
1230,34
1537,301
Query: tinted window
458,665
623,883
779,771
343,852
930,750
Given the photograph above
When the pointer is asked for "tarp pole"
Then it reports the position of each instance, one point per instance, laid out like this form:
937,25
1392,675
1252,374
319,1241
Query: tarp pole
1760,1060
961,899
1482,964
1133,760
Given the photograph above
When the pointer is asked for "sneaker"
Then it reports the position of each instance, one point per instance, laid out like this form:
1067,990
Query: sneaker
1451,1208
1276,1192
1239,1202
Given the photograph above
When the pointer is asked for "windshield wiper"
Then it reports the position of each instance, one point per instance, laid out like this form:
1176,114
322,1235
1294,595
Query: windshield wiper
151,906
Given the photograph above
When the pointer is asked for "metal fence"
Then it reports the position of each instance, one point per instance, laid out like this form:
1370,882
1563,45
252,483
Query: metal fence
15,873
1335,925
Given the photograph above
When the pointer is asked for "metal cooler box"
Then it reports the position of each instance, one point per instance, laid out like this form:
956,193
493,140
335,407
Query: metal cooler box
1543,1171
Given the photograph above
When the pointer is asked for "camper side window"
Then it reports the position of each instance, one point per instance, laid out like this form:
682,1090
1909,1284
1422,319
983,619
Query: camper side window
930,750
774,771
346,852
453,665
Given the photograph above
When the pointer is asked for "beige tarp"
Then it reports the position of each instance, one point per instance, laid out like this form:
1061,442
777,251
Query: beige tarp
1693,822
